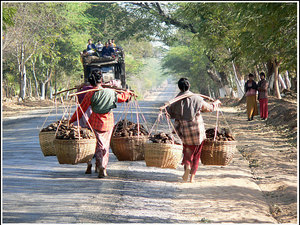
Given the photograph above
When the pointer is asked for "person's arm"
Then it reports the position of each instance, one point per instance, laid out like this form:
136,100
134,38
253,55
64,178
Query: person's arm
123,97
254,85
112,51
84,106
206,107
246,86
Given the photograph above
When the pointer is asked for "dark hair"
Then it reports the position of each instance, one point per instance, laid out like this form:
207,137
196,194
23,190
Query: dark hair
184,84
95,77
251,75
262,74
90,39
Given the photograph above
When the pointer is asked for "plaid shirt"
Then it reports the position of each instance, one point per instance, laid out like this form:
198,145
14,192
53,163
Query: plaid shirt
99,122
192,132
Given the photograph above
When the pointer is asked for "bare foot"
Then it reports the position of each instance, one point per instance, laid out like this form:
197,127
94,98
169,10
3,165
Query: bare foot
88,169
102,172
192,178
186,174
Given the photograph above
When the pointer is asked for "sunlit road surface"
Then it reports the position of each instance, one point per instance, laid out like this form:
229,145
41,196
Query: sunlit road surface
37,189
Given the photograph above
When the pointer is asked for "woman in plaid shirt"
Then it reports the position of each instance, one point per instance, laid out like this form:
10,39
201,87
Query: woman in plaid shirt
101,101
189,126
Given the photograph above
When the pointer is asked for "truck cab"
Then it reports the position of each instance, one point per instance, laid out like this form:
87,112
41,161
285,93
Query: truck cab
112,68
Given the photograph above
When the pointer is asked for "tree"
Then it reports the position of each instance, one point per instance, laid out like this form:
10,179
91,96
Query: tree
246,34
29,34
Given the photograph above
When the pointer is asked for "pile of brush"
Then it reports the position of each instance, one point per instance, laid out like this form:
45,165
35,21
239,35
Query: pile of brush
223,134
74,132
53,126
69,131
161,138
125,128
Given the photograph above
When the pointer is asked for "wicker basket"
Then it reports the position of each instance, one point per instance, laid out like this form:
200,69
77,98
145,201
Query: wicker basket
46,142
128,148
74,151
217,152
163,155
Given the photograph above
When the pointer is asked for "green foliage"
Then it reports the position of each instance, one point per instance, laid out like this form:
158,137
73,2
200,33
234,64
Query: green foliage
200,35
7,16
185,61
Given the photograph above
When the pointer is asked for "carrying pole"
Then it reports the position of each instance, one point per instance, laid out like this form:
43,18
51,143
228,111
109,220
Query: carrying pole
96,89
185,96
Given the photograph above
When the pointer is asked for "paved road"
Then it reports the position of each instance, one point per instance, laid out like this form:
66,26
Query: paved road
37,189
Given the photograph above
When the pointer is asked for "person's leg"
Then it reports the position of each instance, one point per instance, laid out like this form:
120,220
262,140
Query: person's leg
261,107
89,168
255,107
248,107
195,162
265,112
102,151
187,171
187,161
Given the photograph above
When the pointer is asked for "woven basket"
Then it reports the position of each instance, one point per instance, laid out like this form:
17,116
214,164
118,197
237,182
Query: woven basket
128,148
74,151
163,155
217,152
46,143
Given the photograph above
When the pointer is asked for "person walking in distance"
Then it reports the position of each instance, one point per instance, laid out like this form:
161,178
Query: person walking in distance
102,101
189,126
250,91
263,96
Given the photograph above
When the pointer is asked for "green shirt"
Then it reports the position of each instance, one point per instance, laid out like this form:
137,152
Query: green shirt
104,100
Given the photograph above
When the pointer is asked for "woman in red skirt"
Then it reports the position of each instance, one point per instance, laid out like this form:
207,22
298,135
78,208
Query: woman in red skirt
263,96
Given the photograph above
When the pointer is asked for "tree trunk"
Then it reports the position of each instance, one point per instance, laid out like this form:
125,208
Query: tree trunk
23,83
240,88
271,84
43,84
35,80
51,91
294,83
282,83
276,65
4,89
287,80
29,88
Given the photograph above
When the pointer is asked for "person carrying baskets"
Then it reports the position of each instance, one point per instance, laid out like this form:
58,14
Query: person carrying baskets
189,125
102,101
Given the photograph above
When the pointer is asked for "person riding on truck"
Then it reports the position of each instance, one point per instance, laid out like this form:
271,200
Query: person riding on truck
91,48
107,51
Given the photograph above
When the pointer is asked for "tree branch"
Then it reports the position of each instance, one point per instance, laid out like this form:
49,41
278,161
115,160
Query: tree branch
165,18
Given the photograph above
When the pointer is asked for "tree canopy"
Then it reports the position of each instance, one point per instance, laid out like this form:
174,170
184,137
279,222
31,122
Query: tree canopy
212,43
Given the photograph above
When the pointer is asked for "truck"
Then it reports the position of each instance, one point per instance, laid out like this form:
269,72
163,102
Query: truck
112,67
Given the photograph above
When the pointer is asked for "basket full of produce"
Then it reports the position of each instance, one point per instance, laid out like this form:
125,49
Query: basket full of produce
47,136
218,147
74,144
128,139
161,151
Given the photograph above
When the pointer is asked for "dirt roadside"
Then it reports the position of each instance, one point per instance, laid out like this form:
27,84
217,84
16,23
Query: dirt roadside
270,148
271,151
